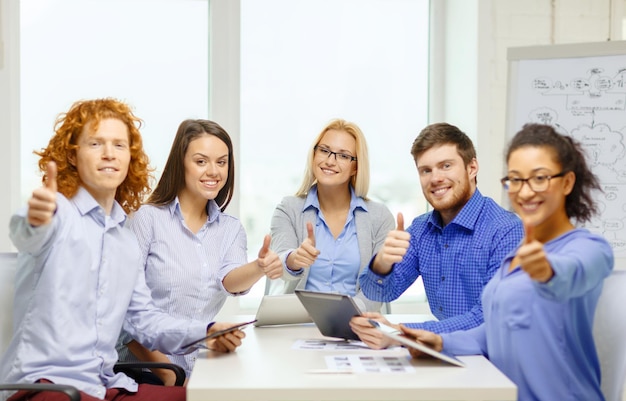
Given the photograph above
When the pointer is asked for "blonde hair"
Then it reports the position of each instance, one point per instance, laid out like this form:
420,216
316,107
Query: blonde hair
361,180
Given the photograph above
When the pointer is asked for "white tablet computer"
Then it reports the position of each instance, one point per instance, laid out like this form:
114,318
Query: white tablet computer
281,309
331,312
396,335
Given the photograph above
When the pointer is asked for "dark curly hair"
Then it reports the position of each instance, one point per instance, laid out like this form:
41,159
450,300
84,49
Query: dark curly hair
579,204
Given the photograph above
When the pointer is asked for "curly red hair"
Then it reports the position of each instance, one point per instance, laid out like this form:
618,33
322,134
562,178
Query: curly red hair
62,146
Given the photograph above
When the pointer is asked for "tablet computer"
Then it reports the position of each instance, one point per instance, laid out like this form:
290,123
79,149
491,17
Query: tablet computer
218,333
331,312
281,309
396,335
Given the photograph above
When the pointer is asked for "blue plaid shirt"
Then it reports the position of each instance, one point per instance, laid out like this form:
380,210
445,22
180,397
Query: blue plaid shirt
455,262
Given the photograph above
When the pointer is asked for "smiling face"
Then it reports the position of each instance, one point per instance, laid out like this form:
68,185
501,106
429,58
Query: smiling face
544,210
330,170
446,182
102,159
206,167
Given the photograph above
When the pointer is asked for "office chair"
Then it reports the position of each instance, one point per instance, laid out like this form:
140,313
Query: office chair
135,370
71,392
8,265
609,332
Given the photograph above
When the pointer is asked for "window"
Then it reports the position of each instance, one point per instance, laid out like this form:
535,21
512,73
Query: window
308,61
302,63
82,49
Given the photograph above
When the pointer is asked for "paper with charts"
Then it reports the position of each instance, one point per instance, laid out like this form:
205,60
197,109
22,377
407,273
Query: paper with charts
328,345
369,363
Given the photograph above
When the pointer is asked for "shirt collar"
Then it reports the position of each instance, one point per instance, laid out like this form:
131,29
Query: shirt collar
313,201
86,204
466,217
212,209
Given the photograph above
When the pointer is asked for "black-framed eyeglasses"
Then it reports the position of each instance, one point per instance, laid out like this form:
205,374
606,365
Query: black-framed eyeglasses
340,157
538,183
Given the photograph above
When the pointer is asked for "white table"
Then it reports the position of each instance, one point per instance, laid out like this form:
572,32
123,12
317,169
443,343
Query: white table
266,367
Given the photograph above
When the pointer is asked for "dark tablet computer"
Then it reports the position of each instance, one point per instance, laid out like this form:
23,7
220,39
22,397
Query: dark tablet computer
331,312
200,341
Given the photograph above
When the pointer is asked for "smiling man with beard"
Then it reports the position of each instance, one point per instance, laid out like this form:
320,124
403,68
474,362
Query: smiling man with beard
456,247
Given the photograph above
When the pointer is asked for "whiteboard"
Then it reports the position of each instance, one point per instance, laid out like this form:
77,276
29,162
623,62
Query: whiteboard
580,89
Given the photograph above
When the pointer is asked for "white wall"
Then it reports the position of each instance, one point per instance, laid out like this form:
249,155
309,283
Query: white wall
470,88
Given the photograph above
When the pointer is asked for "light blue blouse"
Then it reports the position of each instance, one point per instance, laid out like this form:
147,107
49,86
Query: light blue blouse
540,335
337,267
184,270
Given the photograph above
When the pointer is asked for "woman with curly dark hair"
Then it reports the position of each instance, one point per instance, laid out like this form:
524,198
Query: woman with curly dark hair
540,306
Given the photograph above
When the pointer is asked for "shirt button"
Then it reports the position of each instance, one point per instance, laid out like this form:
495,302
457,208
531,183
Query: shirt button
379,281
443,278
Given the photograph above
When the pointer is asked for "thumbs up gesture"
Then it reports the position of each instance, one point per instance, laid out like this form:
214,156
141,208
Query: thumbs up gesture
394,248
306,253
43,202
269,261
532,257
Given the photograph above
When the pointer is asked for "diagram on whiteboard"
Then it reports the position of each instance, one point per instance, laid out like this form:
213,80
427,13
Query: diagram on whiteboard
586,99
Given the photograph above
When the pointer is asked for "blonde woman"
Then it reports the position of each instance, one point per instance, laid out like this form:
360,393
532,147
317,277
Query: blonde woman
328,232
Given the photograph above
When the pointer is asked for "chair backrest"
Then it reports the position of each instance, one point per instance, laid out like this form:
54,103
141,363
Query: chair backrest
609,331
8,262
